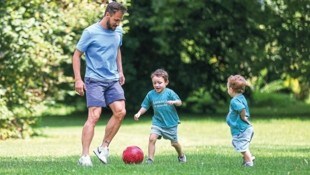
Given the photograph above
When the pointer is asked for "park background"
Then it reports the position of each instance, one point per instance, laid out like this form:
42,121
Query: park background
200,43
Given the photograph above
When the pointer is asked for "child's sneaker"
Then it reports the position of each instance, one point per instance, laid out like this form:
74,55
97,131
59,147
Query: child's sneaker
243,163
182,159
102,154
149,161
85,161
248,164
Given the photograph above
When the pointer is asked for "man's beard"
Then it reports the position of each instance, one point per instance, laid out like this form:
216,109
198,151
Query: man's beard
110,27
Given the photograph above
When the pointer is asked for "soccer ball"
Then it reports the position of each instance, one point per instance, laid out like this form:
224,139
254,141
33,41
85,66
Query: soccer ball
133,155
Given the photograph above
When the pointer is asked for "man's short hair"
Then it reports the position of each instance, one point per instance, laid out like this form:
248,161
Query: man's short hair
114,7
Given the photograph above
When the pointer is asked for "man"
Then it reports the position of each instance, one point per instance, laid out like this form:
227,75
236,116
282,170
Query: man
103,79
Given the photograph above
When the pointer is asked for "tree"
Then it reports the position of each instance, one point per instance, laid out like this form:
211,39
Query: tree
288,44
36,44
201,43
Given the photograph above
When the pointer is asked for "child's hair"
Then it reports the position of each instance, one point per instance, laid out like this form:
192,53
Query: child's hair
237,83
161,73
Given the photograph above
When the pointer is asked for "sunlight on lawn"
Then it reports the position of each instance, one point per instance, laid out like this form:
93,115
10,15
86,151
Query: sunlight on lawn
193,135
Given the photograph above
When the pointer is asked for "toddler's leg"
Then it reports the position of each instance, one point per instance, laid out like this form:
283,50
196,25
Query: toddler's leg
247,157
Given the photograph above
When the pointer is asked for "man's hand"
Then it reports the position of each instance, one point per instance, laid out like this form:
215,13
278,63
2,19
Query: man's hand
79,87
121,78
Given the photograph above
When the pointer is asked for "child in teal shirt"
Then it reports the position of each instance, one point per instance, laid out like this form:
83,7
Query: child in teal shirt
165,119
238,118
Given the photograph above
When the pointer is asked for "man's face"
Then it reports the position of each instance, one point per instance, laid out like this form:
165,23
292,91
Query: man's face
114,20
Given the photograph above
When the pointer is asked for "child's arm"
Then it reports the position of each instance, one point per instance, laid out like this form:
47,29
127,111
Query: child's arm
244,117
139,113
175,102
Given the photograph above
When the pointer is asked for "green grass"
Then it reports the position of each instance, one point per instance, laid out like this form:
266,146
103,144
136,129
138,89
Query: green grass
281,146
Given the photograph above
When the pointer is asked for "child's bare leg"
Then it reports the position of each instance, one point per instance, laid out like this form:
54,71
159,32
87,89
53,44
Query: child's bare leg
151,149
178,148
247,156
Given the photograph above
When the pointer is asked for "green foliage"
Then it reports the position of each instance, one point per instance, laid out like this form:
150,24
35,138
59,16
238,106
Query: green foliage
205,43
263,99
200,43
200,101
5,117
261,84
37,39
288,44
36,45
200,46
28,61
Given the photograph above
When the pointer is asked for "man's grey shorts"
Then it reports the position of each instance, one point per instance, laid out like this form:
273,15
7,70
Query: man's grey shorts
101,94
167,133
242,141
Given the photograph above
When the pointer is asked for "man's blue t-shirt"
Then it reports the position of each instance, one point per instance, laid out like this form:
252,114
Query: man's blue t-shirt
100,47
233,119
165,115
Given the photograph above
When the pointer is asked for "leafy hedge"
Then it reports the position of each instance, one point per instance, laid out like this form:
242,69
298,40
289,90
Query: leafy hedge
200,43
36,45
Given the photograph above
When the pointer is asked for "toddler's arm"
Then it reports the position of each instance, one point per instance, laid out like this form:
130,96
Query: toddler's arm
244,117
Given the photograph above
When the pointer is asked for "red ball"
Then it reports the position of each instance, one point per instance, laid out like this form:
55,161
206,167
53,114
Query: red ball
133,155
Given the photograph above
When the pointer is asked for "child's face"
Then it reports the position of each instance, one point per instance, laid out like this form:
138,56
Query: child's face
159,83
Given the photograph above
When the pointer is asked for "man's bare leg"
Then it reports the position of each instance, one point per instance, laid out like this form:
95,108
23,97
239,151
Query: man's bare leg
113,125
89,127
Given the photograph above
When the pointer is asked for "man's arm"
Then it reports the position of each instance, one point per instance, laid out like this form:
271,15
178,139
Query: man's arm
76,63
120,67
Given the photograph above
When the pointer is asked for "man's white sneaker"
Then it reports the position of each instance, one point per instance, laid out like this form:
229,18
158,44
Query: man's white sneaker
102,154
85,161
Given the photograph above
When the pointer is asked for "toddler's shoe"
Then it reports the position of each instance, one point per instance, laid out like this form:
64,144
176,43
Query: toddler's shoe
243,163
248,164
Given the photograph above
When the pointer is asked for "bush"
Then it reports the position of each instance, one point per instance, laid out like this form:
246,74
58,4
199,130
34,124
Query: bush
273,100
36,44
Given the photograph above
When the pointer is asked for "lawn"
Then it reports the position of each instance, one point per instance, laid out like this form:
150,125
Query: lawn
281,146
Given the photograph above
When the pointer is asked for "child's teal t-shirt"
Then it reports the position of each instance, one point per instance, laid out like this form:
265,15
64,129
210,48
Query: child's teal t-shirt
233,119
165,115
